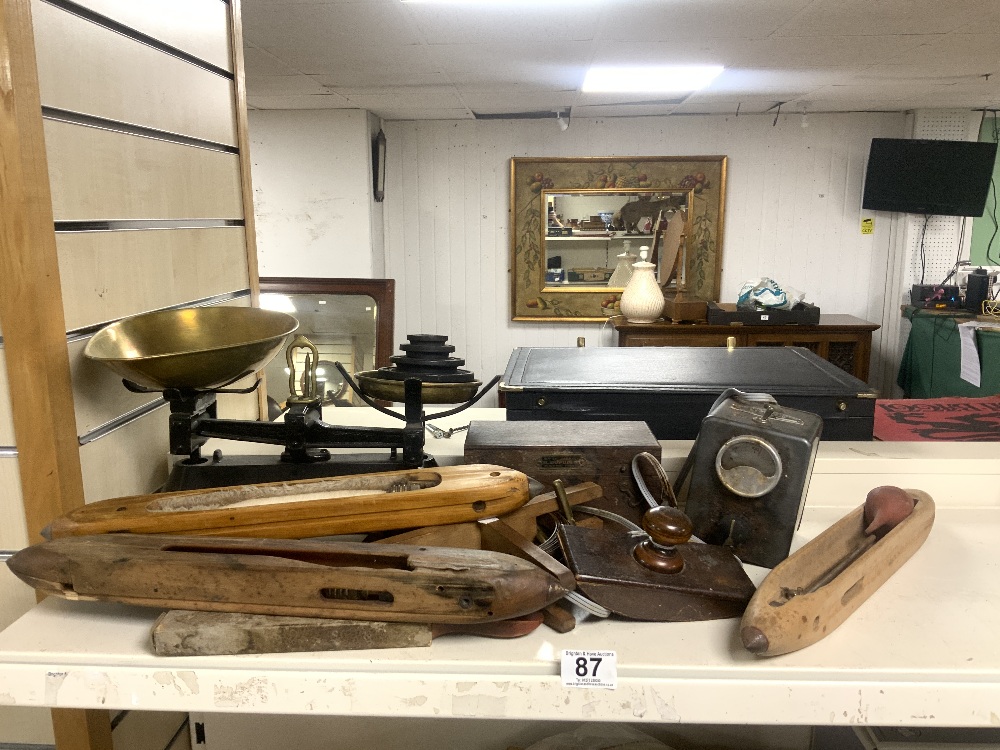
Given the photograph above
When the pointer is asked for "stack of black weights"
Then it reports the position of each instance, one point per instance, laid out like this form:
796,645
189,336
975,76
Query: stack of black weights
427,359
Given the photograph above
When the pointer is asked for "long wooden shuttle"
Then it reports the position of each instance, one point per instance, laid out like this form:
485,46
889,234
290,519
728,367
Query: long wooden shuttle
344,580
813,591
357,503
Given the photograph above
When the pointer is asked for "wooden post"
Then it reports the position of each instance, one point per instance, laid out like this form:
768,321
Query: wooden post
33,324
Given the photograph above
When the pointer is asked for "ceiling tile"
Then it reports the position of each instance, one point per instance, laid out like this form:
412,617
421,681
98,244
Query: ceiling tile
880,17
655,20
377,101
953,55
774,52
522,99
529,22
305,101
782,85
377,24
416,61
284,85
260,62
401,66
559,65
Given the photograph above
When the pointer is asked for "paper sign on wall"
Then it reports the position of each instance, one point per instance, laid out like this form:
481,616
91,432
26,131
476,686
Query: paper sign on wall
867,226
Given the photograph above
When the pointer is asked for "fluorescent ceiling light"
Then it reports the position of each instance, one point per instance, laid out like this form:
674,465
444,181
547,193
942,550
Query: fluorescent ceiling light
650,79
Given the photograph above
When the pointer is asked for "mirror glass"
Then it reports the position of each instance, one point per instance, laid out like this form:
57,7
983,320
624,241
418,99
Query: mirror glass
342,329
593,236
348,320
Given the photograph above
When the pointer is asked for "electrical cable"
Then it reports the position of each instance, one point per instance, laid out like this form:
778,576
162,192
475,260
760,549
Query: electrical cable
993,186
923,257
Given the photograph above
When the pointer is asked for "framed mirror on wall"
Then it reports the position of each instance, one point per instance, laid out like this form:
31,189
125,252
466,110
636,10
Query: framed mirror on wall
349,320
576,221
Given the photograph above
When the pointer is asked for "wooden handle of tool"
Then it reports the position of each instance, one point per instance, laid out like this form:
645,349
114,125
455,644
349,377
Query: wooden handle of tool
667,527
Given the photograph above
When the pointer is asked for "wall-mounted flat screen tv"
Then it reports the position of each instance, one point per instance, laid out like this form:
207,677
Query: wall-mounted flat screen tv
945,178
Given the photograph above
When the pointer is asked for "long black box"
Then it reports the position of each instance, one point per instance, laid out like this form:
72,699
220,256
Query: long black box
802,314
673,388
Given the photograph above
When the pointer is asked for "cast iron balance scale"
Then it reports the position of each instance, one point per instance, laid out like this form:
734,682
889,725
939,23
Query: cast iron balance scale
191,355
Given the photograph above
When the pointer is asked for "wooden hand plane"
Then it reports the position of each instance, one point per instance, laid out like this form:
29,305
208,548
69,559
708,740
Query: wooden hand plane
345,580
661,577
350,504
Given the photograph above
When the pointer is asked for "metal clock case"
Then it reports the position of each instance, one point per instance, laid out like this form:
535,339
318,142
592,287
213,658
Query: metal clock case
751,468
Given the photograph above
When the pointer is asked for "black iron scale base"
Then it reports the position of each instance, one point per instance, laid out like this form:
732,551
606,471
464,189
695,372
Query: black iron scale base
307,440
230,470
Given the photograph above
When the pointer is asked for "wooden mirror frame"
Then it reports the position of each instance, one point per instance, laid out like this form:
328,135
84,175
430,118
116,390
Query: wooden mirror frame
531,178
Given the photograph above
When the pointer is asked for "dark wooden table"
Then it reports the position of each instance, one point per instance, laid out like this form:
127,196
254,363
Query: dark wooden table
844,340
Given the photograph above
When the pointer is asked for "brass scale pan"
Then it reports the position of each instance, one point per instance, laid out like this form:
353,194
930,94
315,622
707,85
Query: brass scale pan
207,348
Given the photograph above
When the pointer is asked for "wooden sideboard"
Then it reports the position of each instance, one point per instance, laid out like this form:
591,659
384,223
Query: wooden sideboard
844,340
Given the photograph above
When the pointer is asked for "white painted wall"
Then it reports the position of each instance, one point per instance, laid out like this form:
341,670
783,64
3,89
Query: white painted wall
311,173
793,212
377,213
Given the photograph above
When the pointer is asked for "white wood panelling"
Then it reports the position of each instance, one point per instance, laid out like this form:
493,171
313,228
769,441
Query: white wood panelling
198,27
109,275
6,418
131,460
793,213
100,174
86,68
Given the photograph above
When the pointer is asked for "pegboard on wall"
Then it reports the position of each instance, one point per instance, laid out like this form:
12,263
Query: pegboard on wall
932,262
946,239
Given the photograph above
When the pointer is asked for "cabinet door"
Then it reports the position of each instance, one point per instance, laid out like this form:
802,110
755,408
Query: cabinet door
683,337
845,350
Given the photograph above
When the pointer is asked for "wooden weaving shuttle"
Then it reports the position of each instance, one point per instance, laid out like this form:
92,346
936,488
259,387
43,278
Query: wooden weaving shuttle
356,503
524,520
344,580
814,590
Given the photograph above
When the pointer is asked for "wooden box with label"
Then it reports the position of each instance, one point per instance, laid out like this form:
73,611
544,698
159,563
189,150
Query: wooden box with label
595,451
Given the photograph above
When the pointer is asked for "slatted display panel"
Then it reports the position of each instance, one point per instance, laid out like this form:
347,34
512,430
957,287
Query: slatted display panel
130,121
147,195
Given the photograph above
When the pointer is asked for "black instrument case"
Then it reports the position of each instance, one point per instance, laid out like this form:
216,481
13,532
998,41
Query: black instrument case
673,388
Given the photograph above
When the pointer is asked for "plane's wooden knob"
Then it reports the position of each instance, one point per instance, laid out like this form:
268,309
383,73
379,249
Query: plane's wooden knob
667,527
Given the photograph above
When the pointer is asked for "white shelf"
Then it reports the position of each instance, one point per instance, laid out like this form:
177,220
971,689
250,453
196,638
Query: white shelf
922,651
602,237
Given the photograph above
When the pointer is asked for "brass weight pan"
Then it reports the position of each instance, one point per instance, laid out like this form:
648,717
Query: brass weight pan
198,348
